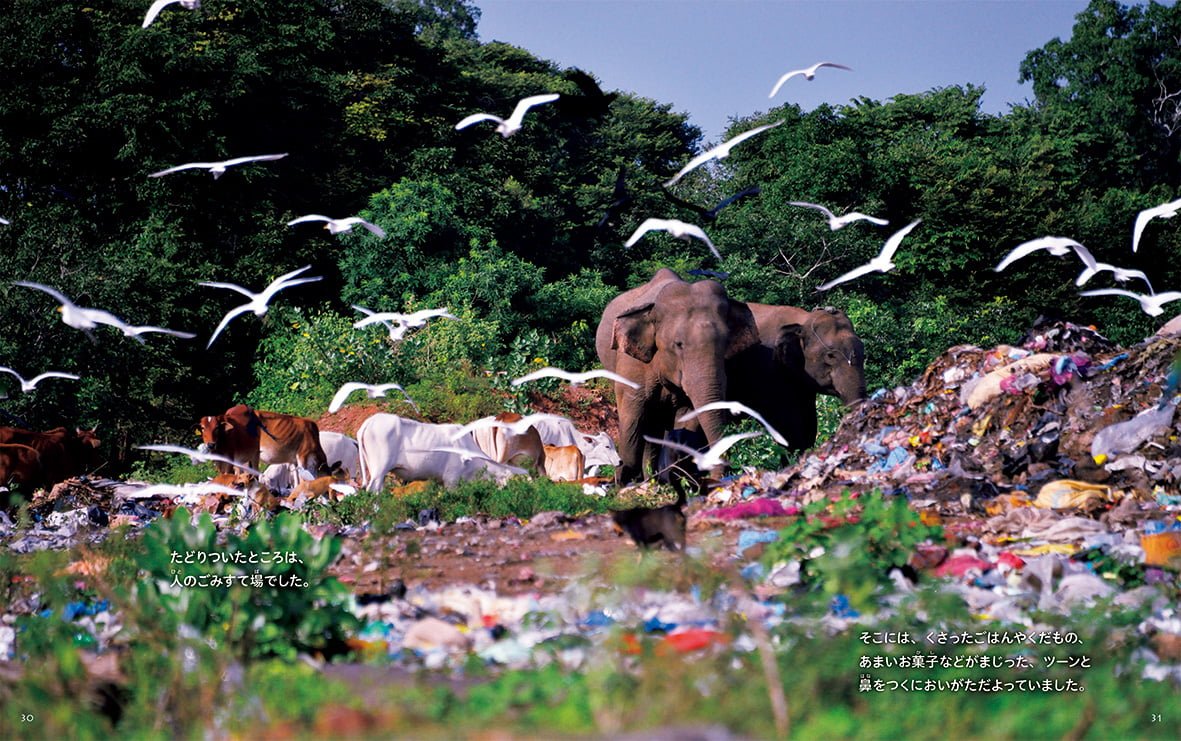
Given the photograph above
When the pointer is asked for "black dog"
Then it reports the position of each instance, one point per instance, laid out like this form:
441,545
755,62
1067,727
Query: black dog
654,526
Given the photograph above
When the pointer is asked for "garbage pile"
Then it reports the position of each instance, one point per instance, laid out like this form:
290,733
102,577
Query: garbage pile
1067,404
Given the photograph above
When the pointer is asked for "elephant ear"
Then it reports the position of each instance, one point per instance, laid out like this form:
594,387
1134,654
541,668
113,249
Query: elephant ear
789,346
744,332
634,333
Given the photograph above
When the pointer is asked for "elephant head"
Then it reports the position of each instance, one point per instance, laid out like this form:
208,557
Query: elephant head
674,338
823,353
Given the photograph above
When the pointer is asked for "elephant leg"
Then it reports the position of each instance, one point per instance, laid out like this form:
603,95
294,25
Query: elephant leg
631,435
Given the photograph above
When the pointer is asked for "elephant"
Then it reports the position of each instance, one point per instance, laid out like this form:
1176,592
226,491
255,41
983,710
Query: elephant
673,338
800,355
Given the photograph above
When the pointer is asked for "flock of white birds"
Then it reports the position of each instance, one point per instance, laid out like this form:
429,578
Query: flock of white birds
88,319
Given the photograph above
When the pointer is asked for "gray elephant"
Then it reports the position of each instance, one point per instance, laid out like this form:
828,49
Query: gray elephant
800,355
673,338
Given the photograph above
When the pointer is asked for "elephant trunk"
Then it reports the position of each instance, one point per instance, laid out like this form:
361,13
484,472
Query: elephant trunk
850,386
708,388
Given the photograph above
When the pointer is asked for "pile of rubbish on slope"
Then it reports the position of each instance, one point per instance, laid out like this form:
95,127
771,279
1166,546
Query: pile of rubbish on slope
1067,405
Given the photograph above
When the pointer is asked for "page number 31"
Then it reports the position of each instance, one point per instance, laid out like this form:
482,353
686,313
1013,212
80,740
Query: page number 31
1156,718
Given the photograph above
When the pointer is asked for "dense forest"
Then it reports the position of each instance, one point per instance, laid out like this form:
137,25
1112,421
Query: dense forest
520,237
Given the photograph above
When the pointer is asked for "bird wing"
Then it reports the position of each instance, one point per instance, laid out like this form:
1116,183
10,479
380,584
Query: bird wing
382,317
4,220
1166,297
851,275
612,376
277,286
226,320
834,65
51,291
255,158
479,424
1090,272
1021,250
895,241
343,393
1110,292
50,374
754,190
696,455
518,114
727,442
858,216
1084,254
285,277
542,373
695,231
232,286
199,456
146,329
693,164
786,76
155,11
186,166
828,214
18,376
476,118
372,227
309,217
647,226
744,136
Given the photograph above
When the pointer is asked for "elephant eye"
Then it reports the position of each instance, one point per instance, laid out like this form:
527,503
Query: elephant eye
832,355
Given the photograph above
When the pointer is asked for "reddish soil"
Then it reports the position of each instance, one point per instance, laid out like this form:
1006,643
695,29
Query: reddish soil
517,558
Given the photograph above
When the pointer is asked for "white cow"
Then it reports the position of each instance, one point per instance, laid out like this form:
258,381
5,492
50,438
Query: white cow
282,478
406,448
597,449
342,448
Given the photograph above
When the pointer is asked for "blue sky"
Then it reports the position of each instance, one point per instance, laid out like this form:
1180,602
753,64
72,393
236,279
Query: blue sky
716,59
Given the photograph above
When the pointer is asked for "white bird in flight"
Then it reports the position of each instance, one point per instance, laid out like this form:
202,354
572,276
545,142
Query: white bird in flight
217,168
882,263
161,4
4,220
519,427
678,229
574,378
78,317
404,322
720,151
1123,275
199,456
1151,304
506,127
173,490
711,457
1057,246
836,222
735,407
28,386
372,391
1163,211
258,301
808,73
336,226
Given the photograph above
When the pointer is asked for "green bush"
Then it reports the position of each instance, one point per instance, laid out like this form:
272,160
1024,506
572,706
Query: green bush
862,537
258,619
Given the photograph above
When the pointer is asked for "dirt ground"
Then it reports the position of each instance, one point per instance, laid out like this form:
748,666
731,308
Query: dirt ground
514,557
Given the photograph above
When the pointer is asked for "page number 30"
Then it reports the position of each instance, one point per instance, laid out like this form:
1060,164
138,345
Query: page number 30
28,717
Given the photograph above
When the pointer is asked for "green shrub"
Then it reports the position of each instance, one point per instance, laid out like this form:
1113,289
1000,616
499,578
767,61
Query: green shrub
862,537
258,619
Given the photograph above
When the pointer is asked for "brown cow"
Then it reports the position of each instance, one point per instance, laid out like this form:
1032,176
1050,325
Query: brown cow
248,437
20,465
61,454
505,446
563,462
234,435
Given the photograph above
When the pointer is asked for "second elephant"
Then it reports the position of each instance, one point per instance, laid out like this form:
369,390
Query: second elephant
800,355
